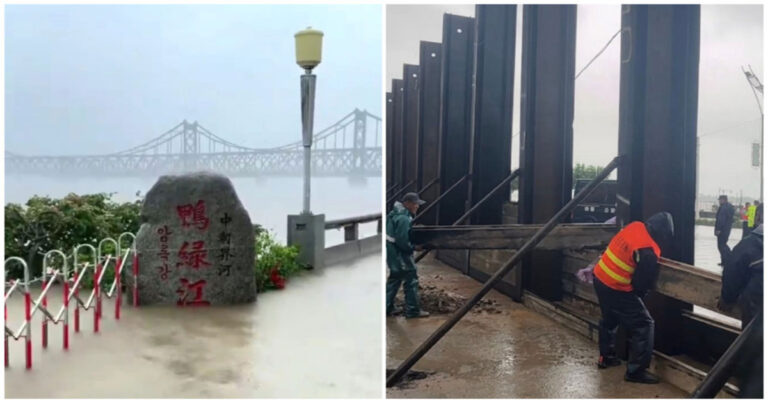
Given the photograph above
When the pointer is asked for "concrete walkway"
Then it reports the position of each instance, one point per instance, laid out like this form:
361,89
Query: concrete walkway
514,354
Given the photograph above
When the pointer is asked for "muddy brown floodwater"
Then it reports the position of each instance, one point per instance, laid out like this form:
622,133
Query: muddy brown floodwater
320,337
516,353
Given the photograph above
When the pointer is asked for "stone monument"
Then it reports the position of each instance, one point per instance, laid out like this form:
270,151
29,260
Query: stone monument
196,243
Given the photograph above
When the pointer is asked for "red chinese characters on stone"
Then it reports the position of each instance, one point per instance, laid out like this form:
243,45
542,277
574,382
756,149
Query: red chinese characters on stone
191,294
194,258
193,215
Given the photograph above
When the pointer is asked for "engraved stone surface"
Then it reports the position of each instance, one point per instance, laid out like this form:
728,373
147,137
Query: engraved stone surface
196,243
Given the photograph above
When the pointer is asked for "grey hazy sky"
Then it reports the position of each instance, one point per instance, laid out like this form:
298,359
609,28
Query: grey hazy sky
103,78
729,119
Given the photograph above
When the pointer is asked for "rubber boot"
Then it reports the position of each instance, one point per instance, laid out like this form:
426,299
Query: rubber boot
608,361
641,377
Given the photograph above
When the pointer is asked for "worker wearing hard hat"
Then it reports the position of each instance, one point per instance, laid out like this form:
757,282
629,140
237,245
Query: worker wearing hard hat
626,271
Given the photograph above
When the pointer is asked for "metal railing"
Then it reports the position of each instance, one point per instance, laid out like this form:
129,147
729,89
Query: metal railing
351,225
71,291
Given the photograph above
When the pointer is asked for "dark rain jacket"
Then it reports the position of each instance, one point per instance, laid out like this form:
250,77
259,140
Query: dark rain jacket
399,246
661,228
743,275
724,218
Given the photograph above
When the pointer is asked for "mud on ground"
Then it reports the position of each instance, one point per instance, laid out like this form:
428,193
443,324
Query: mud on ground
407,380
437,300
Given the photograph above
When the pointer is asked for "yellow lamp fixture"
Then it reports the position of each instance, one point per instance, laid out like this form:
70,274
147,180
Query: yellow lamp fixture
309,48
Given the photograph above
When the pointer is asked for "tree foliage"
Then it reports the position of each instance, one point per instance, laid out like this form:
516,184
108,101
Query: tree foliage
583,171
44,223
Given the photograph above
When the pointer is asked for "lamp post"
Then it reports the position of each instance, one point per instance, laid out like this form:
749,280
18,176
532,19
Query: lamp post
309,46
307,230
757,86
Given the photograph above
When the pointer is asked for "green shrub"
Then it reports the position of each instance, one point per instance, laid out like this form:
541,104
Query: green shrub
273,258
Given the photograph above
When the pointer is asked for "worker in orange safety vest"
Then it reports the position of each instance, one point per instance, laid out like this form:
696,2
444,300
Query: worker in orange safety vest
625,273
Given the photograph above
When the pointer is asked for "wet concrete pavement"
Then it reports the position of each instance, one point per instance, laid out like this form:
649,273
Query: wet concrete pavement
320,337
514,354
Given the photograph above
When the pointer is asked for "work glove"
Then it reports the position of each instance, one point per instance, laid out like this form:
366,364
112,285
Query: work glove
585,274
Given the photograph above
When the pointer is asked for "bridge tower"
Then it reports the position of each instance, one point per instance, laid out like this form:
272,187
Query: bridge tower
190,146
359,140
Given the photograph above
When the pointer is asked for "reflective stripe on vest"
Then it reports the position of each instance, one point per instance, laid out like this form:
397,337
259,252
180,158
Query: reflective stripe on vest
617,264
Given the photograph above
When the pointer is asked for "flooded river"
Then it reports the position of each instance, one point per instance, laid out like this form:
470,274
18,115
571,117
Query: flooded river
320,337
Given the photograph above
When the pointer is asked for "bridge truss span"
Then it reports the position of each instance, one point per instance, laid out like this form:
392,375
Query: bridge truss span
349,147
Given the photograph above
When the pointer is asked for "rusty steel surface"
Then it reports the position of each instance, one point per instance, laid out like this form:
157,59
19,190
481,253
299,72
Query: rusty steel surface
511,236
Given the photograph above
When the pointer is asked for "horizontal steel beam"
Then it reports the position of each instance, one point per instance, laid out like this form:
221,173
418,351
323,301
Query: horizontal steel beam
681,281
691,284
512,236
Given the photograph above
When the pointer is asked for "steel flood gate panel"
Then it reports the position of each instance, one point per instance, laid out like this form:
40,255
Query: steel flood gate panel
397,131
494,86
657,133
456,112
546,132
411,124
389,172
430,62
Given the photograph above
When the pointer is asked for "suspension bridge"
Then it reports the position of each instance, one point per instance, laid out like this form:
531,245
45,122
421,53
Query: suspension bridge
349,147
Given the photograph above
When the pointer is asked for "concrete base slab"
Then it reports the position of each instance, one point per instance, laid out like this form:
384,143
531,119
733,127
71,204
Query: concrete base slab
518,353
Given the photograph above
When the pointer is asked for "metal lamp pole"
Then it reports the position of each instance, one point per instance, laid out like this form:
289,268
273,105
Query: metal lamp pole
309,44
307,120
757,86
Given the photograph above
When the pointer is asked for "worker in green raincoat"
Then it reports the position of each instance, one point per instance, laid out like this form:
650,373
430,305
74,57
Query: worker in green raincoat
402,268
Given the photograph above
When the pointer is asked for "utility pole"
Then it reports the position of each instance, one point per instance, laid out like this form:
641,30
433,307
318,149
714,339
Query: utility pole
757,86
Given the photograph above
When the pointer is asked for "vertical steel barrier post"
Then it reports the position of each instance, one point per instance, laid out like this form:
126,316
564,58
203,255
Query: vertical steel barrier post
100,275
100,269
5,308
66,306
27,317
77,289
65,317
44,330
27,299
135,265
